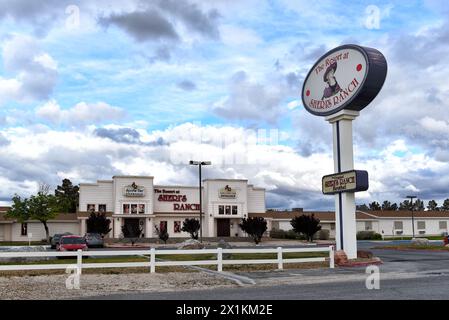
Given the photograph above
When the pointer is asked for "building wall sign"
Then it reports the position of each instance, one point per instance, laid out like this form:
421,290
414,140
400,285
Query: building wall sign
227,193
134,190
347,77
348,181
176,197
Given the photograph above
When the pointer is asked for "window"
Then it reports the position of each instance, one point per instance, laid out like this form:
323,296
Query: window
368,225
228,210
141,209
24,229
234,210
102,208
443,225
398,225
220,209
177,227
134,209
163,226
90,208
126,208
421,225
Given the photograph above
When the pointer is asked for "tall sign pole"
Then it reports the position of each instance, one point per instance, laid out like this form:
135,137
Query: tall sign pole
338,86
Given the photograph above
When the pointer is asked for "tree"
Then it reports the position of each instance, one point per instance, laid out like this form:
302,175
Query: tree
307,225
255,227
362,207
19,209
405,205
67,195
445,206
388,206
43,207
162,234
132,231
418,205
432,206
374,206
191,226
98,223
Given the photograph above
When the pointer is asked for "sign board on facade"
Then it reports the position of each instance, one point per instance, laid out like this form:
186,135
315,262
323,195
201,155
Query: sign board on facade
348,181
176,196
347,77
134,190
227,193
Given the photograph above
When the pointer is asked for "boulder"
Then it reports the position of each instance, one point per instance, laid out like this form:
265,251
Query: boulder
420,242
224,245
364,254
191,244
340,257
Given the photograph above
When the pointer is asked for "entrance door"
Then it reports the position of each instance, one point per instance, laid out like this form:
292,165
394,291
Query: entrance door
223,228
132,227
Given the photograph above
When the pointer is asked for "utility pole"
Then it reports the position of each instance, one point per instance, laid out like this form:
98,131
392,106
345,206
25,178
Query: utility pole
413,217
200,164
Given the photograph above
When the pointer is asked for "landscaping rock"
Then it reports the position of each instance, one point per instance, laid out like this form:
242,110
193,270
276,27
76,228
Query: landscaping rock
420,242
364,254
340,257
191,244
224,245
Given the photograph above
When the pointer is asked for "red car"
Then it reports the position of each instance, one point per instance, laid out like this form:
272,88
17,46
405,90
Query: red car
71,243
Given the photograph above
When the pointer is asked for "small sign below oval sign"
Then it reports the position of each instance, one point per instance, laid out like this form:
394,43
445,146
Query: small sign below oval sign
347,77
348,181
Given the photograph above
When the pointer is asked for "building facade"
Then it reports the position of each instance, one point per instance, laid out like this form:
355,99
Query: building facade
135,200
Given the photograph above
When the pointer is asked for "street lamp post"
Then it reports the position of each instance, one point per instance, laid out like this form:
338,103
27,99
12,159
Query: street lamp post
413,218
200,164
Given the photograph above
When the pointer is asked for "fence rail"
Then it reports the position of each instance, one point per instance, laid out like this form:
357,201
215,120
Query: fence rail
152,263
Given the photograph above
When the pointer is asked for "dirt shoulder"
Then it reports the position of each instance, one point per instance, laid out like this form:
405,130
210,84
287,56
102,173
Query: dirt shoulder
50,287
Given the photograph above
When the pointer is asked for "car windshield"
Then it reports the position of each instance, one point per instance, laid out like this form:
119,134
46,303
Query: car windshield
74,240
93,235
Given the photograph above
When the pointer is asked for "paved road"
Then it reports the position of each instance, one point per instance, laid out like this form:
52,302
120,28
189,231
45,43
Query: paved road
404,275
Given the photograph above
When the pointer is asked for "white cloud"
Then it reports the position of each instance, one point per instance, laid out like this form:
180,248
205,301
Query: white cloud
81,114
291,179
35,71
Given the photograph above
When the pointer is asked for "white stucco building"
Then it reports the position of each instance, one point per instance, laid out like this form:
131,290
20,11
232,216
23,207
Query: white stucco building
136,200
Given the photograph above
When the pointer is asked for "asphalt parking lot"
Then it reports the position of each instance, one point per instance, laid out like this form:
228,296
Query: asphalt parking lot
403,275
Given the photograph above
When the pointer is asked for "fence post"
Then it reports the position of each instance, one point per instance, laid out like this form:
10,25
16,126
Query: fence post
219,259
280,262
331,257
79,261
152,260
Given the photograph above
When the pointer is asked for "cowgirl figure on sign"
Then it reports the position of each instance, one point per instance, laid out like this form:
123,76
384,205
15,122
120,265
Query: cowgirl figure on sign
332,87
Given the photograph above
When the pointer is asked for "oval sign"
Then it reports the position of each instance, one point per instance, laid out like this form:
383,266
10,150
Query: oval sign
347,77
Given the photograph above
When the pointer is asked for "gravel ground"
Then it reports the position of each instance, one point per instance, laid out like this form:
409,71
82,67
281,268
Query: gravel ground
53,286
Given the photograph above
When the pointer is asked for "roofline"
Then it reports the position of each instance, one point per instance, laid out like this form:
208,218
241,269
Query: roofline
134,177
226,180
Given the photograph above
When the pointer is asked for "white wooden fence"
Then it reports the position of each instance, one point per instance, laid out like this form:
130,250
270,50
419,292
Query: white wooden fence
152,263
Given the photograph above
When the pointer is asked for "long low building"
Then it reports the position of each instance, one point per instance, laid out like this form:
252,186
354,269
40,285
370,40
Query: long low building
131,201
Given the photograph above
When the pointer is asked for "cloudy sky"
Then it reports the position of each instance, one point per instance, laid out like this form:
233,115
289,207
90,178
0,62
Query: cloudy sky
92,89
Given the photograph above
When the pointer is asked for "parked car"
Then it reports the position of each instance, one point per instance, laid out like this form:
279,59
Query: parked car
94,240
55,239
71,243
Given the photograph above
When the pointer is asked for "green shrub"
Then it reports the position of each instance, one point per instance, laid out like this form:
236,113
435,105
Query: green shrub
323,234
282,234
368,235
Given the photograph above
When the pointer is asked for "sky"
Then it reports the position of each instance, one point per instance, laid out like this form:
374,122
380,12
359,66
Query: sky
93,89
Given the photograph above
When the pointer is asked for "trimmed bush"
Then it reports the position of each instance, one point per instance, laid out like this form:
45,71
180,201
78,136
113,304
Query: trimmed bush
368,235
323,234
282,234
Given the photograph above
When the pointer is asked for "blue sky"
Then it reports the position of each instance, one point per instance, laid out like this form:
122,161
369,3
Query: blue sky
134,87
